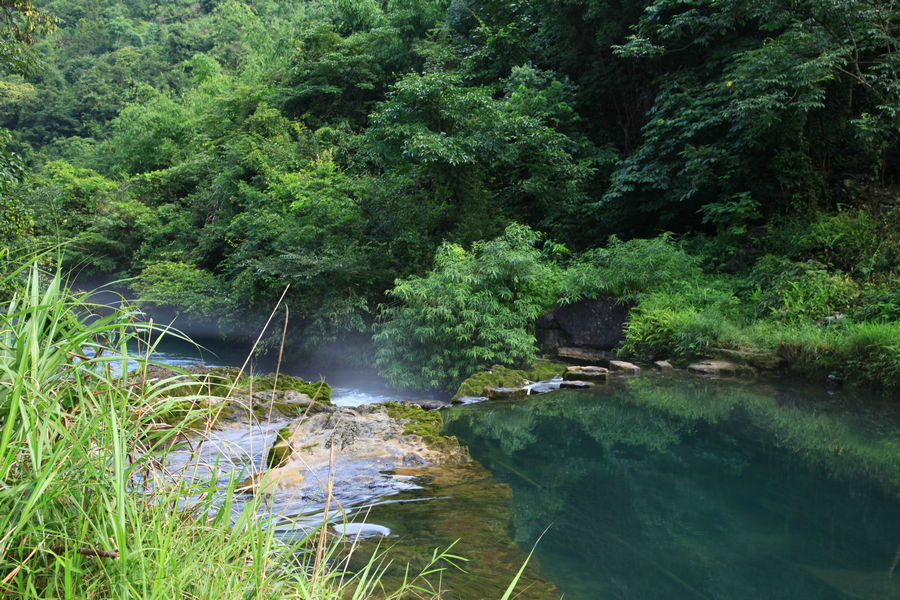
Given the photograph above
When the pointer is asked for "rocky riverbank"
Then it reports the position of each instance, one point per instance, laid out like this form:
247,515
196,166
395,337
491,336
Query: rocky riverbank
315,445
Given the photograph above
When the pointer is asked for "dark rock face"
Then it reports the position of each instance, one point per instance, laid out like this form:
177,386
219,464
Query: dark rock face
596,324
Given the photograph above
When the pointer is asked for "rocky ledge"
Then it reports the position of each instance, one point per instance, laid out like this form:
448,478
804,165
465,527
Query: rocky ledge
360,447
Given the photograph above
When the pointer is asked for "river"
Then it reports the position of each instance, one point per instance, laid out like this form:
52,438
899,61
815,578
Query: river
652,487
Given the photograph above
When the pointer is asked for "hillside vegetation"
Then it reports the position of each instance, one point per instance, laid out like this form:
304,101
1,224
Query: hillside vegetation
439,172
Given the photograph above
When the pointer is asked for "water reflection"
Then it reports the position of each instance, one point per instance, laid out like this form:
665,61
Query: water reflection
689,489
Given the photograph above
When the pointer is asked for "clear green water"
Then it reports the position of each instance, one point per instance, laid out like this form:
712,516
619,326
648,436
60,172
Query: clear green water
682,488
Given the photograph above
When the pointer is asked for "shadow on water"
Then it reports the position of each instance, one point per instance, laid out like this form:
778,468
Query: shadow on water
700,489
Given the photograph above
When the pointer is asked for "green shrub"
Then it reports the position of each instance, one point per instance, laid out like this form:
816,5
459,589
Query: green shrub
628,269
474,309
877,303
680,322
792,291
853,241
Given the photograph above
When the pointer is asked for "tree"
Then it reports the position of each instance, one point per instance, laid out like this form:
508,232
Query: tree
770,101
20,22
474,309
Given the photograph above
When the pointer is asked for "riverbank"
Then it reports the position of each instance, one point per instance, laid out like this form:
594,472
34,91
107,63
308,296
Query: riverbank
89,505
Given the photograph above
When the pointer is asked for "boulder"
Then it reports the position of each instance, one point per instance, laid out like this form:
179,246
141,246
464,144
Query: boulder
586,356
663,366
589,373
509,393
361,530
720,368
624,368
576,385
597,324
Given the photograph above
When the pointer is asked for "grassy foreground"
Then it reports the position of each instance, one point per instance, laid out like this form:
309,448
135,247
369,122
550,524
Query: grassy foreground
86,509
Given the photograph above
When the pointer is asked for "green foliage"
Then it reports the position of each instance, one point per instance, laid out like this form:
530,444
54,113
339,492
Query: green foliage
332,147
20,21
180,285
681,320
474,309
146,137
865,353
739,118
791,291
465,157
857,241
15,222
629,269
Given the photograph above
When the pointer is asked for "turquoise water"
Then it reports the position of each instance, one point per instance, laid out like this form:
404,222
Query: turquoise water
680,488
655,488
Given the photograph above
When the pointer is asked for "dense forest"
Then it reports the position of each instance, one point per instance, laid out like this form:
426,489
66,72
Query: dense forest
438,173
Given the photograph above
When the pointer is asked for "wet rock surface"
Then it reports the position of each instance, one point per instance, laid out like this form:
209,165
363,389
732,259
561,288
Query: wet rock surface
720,368
509,393
356,446
589,373
576,385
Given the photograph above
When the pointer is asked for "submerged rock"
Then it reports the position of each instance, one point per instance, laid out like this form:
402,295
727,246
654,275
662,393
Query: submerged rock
590,373
720,368
576,385
361,530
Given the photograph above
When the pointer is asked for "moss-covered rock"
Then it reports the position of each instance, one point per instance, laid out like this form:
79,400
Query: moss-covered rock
510,393
426,424
280,451
499,376
317,390
590,373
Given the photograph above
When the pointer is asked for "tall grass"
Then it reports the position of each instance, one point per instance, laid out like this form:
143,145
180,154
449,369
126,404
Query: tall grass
86,510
